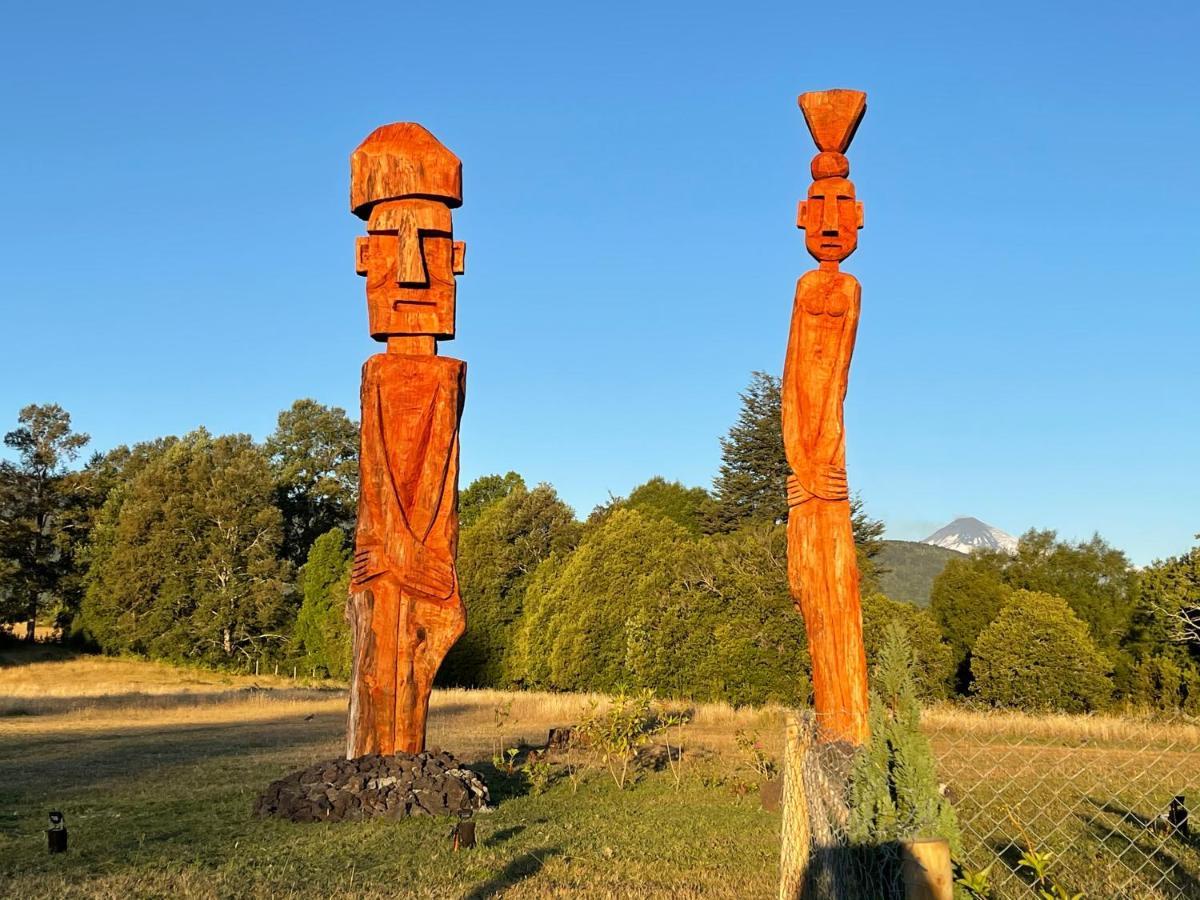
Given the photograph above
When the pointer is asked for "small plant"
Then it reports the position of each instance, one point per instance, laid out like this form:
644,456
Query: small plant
977,884
617,733
672,729
753,756
506,760
1038,862
501,713
538,770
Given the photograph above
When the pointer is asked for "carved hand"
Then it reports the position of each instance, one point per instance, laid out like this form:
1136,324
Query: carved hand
828,483
427,574
369,562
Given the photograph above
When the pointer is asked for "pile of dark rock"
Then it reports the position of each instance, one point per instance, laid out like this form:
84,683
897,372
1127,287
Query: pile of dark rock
427,784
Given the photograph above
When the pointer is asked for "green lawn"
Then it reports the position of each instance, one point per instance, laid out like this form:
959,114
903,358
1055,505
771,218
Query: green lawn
157,793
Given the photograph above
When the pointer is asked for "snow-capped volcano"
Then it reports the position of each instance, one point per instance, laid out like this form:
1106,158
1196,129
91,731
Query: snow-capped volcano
967,534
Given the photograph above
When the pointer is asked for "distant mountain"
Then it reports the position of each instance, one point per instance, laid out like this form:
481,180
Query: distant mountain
967,534
911,568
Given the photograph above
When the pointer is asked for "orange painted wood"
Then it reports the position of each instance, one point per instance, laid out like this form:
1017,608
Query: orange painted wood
405,608
822,566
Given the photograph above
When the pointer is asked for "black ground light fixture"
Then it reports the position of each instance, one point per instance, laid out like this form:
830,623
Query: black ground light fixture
463,832
56,834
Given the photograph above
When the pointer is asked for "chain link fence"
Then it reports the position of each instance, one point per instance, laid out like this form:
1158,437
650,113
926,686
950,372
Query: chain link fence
1106,797
1105,803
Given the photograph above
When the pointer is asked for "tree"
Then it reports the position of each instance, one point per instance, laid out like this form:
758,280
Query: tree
894,793
1037,655
314,456
482,493
322,632
39,501
726,628
1096,579
497,554
185,557
752,482
577,607
965,598
934,663
690,508
1167,610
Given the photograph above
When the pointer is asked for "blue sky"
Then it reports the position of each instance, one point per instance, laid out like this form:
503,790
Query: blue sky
176,245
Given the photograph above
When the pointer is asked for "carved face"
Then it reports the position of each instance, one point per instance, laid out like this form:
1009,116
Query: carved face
410,258
830,218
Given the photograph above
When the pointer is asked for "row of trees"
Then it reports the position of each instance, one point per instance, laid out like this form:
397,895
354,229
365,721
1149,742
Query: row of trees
227,551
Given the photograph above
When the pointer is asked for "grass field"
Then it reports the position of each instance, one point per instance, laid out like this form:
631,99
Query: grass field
156,768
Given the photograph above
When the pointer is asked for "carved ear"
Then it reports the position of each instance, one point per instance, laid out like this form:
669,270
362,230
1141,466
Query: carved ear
801,210
360,255
460,257
861,220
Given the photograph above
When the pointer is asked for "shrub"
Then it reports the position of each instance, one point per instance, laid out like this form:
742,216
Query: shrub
894,793
1038,654
322,632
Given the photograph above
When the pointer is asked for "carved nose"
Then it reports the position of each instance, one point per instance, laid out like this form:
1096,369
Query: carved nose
410,272
829,219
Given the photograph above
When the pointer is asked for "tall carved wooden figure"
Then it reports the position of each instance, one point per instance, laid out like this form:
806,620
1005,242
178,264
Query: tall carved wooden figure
822,568
405,610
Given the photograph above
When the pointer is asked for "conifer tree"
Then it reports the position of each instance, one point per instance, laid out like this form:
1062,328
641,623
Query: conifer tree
894,793
322,632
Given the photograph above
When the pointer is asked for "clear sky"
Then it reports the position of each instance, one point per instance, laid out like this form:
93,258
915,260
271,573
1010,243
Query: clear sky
176,244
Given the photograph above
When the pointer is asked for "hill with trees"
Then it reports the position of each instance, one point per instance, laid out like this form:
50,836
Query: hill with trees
907,569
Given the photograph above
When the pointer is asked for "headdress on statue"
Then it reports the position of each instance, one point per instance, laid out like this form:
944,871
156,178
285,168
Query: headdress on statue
402,160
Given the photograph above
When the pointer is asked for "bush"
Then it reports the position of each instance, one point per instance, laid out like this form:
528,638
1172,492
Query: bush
322,632
894,792
933,670
1038,654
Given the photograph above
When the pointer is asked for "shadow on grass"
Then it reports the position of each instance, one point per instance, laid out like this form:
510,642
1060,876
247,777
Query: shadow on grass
524,866
68,763
1121,831
503,835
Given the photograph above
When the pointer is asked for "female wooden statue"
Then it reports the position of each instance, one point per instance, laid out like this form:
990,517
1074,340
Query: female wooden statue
822,567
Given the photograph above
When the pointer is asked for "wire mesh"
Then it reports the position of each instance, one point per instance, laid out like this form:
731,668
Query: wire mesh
1105,801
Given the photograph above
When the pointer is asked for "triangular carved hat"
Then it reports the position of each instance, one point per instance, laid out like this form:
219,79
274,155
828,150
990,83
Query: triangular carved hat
833,117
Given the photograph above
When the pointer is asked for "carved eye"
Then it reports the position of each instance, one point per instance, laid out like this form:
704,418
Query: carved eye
420,634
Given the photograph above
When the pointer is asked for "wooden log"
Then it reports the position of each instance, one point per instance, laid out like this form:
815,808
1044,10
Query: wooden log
926,871
795,833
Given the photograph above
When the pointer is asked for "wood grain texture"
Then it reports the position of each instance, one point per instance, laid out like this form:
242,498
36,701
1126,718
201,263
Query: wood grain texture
405,609
822,564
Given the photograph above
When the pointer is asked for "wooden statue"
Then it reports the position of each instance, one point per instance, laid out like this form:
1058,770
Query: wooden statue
822,569
405,610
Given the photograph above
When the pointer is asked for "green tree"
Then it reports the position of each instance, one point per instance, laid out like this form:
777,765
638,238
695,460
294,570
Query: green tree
482,493
573,633
894,792
751,485
1038,654
934,664
322,632
185,556
1096,579
39,500
314,456
726,628
1166,620
690,508
497,555
964,600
